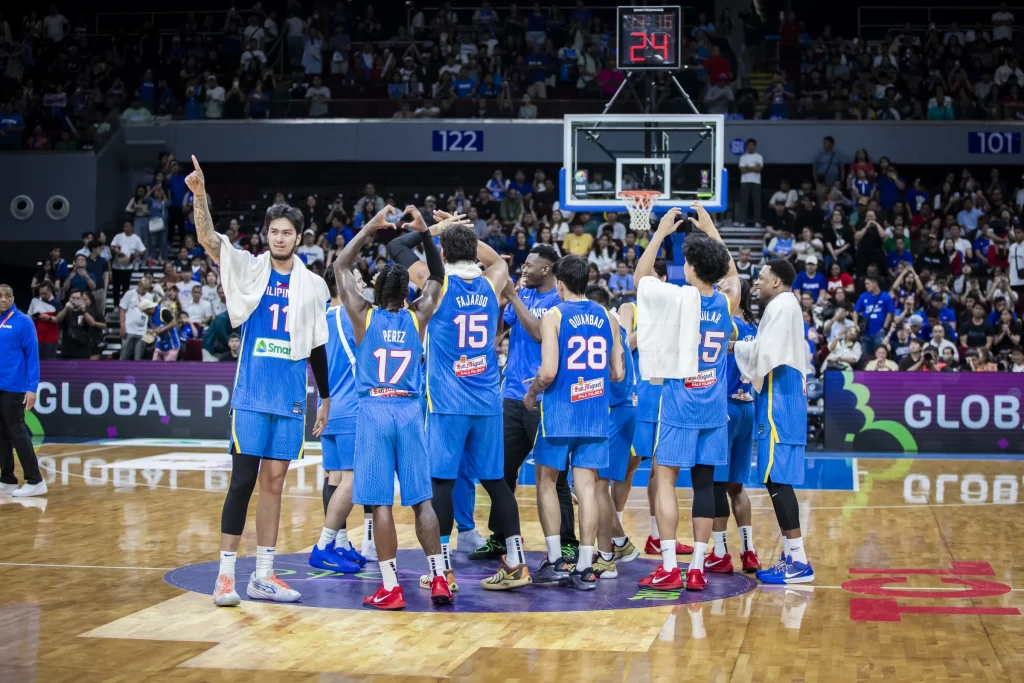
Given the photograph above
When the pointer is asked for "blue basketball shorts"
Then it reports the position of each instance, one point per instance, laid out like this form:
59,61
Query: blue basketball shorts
643,439
688,446
783,462
478,438
741,445
337,451
267,436
579,451
622,423
390,440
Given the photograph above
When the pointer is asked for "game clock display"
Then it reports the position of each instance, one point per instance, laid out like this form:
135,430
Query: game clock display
649,38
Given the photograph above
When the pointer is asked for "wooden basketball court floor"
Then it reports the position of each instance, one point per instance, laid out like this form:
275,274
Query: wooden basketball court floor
919,577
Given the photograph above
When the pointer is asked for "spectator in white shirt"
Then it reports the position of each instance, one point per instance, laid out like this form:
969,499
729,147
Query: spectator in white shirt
215,97
55,25
718,97
308,251
786,195
128,249
135,321
136,113
1009,70
254,32
1002,24
318,94
618,229
199,310
254,52
751,165
954,32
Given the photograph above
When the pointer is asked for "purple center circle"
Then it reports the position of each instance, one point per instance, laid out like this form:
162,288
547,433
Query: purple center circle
331,590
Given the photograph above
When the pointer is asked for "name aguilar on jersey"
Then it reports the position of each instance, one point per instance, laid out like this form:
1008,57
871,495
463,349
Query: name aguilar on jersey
708,377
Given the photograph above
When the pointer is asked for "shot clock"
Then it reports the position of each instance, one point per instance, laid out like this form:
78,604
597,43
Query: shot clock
649,38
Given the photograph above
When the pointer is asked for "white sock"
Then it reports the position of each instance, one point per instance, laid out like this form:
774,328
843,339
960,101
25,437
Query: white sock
367,531
326,536
720,548
785,546
796,550
446,551
607,557
436,564
554,546
746,538
514,551
227,564
668,555
699,551
389,573
619,515
620,541
264,562
654,528
341,540
586,558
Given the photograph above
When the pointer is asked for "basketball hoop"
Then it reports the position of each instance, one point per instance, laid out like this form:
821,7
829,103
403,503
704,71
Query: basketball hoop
640,204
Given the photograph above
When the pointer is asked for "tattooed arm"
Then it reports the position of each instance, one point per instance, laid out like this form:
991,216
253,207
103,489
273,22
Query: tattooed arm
204,224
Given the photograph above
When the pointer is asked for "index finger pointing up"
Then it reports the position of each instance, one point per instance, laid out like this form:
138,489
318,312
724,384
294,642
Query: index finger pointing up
195,164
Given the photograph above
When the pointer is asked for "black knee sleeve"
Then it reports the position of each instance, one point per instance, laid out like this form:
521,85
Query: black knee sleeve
703,477
245,470
787,508
327,493
721,499
503,500
442,503
367,509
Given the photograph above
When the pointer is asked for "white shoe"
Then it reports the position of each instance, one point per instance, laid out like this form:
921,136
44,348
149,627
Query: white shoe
369,551
8,488
468,541
31,490
271,588
224,594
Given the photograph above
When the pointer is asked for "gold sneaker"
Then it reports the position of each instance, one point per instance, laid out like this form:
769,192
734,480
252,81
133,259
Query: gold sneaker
604,569
625,553
508,578
448,574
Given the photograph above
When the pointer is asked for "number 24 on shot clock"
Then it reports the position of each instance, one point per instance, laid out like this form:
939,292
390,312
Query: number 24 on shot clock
649,38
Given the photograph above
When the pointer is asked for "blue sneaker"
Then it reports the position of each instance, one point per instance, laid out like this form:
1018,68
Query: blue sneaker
791,572
329,560
351,555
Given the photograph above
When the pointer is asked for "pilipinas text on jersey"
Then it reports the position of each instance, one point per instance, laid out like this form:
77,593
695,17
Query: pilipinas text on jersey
388,359
267,379
576,403
701,402
463,377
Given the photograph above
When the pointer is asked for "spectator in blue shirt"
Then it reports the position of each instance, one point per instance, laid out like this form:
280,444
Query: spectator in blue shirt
497,185
969,214
536,27
19,380
463,85
338,228
894,258
488,89
60,267
810,281
890,188
621,284
917,197
519,183
12,125
163,324
875,310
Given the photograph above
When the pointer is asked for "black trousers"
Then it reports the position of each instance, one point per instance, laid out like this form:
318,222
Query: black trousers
122,282
14,435
520,432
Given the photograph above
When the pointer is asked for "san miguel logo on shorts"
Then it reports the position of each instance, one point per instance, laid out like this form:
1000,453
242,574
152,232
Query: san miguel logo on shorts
467,367
584,389
701,380
387,392
271,348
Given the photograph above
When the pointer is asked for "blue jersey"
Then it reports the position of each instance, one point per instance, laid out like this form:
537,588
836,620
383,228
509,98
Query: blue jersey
624,392
700,402
648,396
388,359
739,387
780,408
576,403
170,339
267,379
463,377
341,372
524,353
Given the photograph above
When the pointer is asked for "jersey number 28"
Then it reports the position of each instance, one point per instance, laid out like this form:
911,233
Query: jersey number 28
596,349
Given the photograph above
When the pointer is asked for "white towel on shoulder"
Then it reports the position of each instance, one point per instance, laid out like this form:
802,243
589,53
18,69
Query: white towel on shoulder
245,278
779,341
667,329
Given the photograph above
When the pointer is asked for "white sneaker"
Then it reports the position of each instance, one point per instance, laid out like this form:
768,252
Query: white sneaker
31,490
271,588
369,551
468,541
224,594
8,488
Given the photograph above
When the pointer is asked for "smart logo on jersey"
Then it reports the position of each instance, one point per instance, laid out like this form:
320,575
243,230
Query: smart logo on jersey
271,348
701,380
467,367
584,389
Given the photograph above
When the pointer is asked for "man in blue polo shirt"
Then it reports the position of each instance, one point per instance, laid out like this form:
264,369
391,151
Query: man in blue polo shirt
19,379
875,308
893,258
810,281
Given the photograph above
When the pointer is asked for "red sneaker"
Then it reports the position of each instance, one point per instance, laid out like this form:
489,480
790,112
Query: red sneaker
751,563
695,580
440,592
718,565
653,547
387,599
662,580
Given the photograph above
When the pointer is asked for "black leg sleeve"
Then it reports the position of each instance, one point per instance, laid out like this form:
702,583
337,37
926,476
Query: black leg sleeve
703,477
443,506
244,472
327,493
721,499
787,508
504,501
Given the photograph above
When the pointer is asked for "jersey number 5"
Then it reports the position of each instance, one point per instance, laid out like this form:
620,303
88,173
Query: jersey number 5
596,349
472,330
712,345
382,364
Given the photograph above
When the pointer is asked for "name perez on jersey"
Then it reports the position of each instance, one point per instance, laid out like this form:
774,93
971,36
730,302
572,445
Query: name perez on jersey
393,336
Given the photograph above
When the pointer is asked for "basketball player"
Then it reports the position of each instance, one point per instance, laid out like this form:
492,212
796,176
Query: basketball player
389,431
334,552
692,429
612,542
268,404
648,401
581,353
730,479
780,407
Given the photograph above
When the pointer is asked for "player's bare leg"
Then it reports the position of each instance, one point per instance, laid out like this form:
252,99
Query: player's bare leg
428,533
621,489
264,583
719,560
585,480
607,527
741,510
554,568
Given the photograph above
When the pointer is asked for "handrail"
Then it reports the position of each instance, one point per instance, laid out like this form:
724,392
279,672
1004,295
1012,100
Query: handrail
921,18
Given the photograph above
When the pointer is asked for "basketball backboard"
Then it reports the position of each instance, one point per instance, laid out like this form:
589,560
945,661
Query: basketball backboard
681,156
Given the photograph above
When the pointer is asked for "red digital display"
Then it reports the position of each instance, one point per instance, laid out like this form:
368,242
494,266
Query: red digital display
648,37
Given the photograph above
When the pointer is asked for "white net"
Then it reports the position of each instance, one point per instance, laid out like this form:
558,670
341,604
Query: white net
640,203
